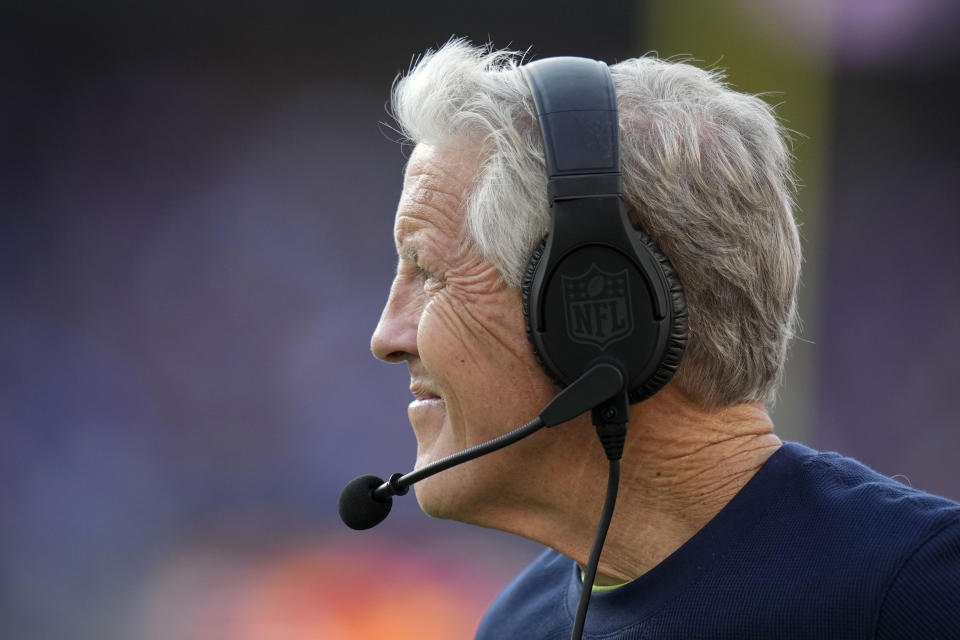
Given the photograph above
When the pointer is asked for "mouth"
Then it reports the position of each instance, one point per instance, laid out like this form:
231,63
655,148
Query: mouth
428,407
423,391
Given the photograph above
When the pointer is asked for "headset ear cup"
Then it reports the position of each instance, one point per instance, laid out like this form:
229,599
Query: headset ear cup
677,339
526,288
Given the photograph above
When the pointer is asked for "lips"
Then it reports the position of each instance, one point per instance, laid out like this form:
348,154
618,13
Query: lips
428,409
423,390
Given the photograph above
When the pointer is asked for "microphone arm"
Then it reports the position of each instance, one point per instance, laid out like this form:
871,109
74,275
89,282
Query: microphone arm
367,500
399,484
598,384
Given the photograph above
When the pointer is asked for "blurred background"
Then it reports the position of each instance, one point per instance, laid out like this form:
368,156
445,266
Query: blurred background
196,201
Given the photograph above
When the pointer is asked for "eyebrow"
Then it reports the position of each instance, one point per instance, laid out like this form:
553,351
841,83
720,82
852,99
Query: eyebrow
407,251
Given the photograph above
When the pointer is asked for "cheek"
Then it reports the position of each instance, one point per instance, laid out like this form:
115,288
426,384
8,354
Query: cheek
477,345
440,338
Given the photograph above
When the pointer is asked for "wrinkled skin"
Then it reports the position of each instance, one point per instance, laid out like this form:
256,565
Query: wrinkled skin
461,332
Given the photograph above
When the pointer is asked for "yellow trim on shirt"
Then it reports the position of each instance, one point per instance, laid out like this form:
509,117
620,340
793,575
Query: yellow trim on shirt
602,587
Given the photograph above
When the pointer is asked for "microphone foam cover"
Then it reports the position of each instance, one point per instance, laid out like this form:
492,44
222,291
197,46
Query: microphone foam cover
358,508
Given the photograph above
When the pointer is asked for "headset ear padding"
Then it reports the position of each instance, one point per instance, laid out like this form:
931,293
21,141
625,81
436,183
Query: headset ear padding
526,285
672,352
677,338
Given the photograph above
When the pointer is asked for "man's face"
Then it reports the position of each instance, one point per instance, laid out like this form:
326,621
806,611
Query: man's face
460,331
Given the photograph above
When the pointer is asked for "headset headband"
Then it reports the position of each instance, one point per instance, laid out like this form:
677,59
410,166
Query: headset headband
577,106
596,289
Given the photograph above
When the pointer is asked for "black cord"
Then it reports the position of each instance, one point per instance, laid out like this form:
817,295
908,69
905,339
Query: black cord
590,573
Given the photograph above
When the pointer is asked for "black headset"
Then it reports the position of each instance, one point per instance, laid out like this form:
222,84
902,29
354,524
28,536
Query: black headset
602,305
596,289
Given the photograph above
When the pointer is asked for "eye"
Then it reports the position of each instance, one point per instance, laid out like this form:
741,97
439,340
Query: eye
431,282
420,270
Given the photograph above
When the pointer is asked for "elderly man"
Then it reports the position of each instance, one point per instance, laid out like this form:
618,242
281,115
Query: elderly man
720,529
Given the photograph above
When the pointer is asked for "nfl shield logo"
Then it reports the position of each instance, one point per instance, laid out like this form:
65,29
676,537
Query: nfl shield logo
597,305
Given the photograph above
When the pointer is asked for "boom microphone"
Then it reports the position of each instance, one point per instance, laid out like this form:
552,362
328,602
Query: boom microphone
367,500
359,509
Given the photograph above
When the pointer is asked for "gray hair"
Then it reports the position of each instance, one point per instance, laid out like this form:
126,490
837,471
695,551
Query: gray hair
706,174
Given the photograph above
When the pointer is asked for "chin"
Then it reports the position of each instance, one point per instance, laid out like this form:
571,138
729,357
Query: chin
457,494
438,499
475,492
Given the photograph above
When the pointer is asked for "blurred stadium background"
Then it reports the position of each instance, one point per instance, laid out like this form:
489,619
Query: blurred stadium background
196,202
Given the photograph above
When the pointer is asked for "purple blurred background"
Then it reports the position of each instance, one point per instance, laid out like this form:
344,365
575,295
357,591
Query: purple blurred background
196,203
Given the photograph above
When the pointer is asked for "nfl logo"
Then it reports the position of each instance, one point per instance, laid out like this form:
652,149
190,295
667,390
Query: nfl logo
597,306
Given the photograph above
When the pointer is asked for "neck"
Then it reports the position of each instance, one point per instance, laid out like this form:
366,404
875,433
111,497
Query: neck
680,467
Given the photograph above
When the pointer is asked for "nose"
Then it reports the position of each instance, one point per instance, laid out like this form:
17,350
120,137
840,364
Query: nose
395,338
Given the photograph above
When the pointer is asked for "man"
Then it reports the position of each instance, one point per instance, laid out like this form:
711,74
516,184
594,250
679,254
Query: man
720,529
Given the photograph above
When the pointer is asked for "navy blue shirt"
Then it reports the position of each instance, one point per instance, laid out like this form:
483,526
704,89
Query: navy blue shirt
814,546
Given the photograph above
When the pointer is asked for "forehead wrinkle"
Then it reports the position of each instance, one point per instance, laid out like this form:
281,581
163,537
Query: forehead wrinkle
437,186
447,209
443,193
416,218
441,171
407,228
